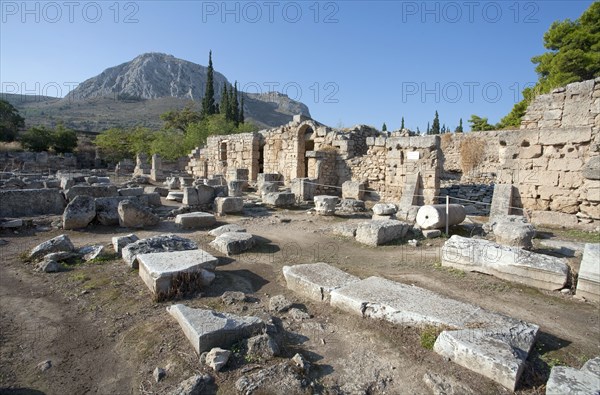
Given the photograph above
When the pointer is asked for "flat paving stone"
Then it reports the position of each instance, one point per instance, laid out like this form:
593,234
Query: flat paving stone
207,329
566,380
158,270
226,229
232,243
508,263
195,220
316,280
491,344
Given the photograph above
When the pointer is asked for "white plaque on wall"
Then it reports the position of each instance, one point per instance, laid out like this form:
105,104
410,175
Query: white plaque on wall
412,155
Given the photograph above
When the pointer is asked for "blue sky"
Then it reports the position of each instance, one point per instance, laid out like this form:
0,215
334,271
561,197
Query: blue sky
350,61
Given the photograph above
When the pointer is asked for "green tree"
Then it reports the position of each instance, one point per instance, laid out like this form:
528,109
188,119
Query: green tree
208,101
384,127
180,119
169,144
402,124
224,106
242,117
114,144
573,56
428,129
37,138
63,140
10,121
235,106
140,140
435,126
459,128
479,124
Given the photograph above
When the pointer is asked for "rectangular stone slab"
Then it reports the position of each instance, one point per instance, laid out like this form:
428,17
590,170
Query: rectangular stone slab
316,280
508,263
207,329
501,200
588,282
195,220
491,344
158,269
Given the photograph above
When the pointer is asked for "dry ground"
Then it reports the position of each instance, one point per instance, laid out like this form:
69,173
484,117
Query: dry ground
98,325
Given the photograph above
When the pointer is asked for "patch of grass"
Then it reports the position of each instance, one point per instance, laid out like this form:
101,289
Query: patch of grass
428,335
96,283
102,259
79,277
581,235
24,257
450,270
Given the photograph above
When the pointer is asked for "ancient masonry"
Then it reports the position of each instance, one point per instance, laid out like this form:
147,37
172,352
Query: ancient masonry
553,160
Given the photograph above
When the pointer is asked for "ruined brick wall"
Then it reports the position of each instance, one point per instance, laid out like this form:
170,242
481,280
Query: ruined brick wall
223,152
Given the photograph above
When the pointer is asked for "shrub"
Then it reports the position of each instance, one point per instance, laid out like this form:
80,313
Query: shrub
37,139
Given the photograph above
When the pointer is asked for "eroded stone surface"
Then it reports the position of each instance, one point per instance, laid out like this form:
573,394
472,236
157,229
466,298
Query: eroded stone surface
79,212
566,380
316,280
121,241
60,243
509,263
231,243
378,232
161,243
207,329
588,282
195,220
226,229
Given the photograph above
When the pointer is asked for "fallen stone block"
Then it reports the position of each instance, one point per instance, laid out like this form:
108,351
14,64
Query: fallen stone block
217,358
316,280
352,206
107,209
92,252
150,199
79,212
60,243
206,194
195,220
384,209
588,281
207,329
169,273
172,183
491,344
272,379
513,231
432,233
279,199
121,241
376,233
345,230
353,190
566,380
161,243
267,177
190,196
268,187
325,204
236,187
508,263
131,191
501,200
226,229
175,196
11,223
232,243
407,214
134,215
30,202
95,191
303,189
160,190
377,217
228,205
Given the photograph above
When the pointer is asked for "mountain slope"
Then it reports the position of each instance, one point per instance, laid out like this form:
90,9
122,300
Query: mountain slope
137,92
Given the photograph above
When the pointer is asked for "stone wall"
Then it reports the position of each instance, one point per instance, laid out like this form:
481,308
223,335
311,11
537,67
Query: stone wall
36,161
552,160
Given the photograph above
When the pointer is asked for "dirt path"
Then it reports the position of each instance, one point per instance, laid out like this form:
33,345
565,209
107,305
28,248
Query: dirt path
104,334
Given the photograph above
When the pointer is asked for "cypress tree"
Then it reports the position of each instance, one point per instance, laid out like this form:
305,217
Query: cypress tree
402,124
224,106
242,119
428,129
384,127
235,106
435,127
459,128
208,101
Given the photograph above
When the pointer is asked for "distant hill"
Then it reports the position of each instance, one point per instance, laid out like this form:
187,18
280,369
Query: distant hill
137,92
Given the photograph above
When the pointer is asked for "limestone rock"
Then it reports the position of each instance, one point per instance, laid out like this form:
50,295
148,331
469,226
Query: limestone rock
553,219
566,380
161,243
60,243
206,194
509,263
279,199
228,205
325,205
353,190
263,346
217,358
591,170
279,304
79,212
514,234
195,220
233,297
159,374
588,283
131,191
190,196
316,280
195,385
134,215
29,202
276,379
121,241
384,209
232,243
92,252
207,329
175,196
376,233
48,266
352,205
226,229
95,191
345,230
443,385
